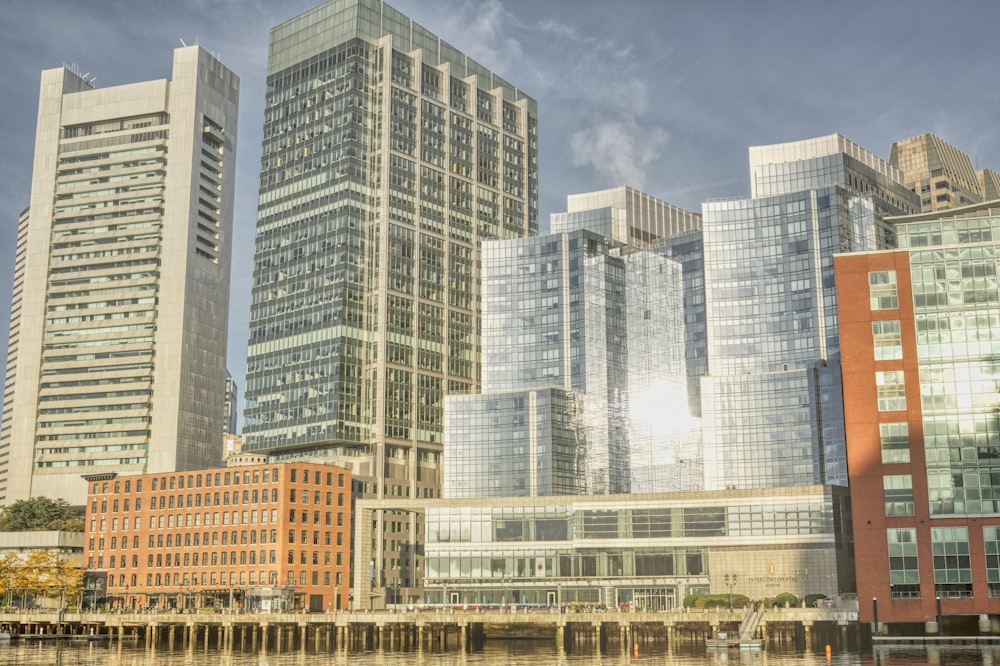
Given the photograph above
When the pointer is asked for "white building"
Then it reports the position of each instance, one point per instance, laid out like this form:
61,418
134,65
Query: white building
119,319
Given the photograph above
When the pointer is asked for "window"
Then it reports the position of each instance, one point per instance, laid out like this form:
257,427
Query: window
898,489
882,290
895,442
887,339
891,390
904,573
991,540
952,563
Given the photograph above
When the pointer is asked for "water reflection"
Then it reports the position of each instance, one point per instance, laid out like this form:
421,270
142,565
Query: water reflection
498,653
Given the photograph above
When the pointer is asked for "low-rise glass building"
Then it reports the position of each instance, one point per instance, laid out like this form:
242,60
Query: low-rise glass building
651,551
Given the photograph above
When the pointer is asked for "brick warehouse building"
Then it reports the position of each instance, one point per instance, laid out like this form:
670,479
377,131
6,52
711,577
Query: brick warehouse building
260,537
920,337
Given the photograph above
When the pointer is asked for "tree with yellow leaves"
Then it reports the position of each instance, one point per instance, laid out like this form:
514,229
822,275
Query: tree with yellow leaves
10,567
42,573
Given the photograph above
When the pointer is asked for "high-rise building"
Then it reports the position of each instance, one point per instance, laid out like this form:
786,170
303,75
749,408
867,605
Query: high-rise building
13,342
388,156
772,410
919,329
942,175
583,354
118,348
229,406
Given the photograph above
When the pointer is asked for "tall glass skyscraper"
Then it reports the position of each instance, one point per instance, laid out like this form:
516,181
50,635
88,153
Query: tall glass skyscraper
772,404
121,288
583,354
388,157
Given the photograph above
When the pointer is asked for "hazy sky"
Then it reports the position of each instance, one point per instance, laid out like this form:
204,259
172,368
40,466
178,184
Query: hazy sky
664,96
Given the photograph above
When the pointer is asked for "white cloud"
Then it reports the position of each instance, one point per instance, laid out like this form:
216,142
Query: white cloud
620,150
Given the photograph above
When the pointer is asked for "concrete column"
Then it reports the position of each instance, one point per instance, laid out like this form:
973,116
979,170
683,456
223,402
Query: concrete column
303,629
263,638
170,637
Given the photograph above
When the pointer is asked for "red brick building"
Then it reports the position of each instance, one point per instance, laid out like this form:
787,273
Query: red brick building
918,330
261,537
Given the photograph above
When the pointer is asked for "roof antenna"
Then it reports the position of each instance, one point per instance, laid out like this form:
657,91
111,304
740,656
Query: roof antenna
182,41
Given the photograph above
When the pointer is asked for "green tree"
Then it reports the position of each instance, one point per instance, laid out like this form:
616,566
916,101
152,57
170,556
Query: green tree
40,513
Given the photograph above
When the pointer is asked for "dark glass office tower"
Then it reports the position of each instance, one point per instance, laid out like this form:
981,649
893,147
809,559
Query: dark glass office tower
388,156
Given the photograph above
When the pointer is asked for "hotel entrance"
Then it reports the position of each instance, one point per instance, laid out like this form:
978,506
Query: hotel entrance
649,598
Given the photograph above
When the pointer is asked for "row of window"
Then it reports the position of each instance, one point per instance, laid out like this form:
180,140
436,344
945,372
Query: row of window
223,578
952,561
221,478
223,558
216,518
216,499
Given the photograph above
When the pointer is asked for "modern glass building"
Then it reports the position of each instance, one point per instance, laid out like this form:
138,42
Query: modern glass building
121,291
920,357
519,442
388,156
650,551
554,317
596,326
772,407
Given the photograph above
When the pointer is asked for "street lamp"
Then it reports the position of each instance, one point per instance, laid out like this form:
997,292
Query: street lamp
937,598
730,581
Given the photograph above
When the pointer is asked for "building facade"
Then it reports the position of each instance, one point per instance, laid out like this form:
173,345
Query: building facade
919,333
772,410
230,406
387,157
650,551
118,349
259,537
942,175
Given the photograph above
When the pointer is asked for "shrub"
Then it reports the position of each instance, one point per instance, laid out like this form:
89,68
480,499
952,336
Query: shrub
786,598
691,600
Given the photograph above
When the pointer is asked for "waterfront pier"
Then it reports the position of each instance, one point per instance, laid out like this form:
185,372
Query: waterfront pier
437,629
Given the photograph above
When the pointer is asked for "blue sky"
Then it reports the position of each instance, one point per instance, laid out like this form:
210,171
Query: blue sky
661,95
